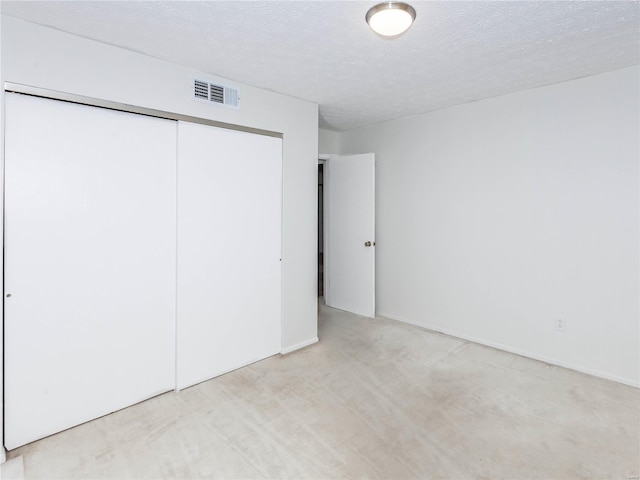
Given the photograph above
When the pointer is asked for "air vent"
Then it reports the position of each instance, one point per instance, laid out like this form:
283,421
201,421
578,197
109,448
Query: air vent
217,93
201,90
210,92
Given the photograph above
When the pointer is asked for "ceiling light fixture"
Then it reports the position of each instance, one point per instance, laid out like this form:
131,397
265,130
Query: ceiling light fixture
390,19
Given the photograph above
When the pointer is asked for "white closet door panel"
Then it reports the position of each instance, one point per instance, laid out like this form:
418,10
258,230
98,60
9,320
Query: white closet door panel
229,246
90,263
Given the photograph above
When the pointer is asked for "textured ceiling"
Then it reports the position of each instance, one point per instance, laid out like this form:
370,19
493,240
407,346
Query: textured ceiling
324,52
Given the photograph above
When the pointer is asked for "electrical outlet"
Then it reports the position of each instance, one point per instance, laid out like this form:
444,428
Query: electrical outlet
560,323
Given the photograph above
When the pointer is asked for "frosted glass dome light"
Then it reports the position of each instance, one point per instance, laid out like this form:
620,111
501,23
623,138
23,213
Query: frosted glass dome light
390,18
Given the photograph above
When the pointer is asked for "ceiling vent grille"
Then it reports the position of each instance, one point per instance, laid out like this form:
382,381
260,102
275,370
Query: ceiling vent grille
213,93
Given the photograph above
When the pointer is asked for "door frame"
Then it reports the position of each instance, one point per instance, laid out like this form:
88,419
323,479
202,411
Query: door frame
324,158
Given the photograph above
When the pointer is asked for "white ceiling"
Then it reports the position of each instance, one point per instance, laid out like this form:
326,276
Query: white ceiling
323,51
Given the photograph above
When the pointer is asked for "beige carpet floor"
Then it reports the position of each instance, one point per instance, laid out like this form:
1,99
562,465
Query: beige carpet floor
374,399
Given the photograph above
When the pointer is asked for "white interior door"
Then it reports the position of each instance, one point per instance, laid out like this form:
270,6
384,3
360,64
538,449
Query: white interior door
229,250
349,191
89,263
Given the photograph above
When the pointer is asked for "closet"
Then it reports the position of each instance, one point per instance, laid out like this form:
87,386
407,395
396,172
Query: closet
229,249
142,255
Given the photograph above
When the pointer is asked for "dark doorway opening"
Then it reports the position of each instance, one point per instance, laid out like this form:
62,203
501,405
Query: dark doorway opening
320,230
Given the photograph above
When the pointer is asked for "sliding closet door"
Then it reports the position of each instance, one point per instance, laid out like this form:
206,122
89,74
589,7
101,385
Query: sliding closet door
229,245
89,263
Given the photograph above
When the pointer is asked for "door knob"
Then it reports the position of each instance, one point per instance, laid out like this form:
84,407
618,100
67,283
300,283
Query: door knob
367,244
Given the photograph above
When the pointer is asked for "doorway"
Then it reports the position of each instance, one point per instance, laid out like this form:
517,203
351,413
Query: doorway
348,250
320,229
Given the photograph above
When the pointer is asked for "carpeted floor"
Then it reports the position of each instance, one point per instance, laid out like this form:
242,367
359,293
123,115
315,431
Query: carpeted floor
374,399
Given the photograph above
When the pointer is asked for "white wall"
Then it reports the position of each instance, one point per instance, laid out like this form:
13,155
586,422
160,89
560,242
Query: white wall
328,141
46,58
496,216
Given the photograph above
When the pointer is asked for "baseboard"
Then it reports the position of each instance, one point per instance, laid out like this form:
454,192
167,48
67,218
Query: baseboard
298,346
523,353
3,455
